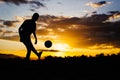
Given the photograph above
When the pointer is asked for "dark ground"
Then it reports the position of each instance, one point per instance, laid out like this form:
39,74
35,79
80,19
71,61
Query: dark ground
56,68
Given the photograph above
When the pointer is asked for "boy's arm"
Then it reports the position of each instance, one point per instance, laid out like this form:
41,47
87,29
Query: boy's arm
21,27
20,30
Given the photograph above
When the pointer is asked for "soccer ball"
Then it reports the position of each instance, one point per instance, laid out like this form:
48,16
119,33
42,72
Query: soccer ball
48,44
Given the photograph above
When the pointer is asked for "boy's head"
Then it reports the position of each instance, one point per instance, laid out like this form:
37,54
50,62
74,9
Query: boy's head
35,16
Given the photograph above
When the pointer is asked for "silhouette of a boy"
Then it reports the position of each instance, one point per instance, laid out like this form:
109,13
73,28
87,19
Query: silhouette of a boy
26,29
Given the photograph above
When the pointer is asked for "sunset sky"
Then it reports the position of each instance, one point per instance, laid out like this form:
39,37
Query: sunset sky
75,27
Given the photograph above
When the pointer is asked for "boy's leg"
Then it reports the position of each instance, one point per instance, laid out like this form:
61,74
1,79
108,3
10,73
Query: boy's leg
28,54
28,50
35,51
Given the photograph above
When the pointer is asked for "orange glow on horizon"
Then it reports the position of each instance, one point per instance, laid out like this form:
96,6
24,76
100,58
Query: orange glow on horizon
17,48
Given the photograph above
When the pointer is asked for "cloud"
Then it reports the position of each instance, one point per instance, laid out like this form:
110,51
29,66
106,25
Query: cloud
59,3
87,31
76,31
1,23
8,29
96,19
20,19
114,15
102,46
117,15
9,35
1,20
10,23
60,29
98,4
18,2
34,3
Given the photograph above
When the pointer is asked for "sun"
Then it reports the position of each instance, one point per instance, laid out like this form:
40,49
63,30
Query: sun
61,46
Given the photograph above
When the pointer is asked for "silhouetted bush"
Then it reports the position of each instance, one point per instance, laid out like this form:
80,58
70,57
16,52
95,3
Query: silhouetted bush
57,68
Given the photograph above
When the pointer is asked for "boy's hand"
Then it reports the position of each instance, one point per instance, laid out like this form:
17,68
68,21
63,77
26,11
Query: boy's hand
35,41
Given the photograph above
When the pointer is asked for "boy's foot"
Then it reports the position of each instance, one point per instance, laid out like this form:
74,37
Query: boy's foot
39,54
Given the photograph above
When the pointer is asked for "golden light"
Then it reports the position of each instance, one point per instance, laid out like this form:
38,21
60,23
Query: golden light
17,48
60,54
61,46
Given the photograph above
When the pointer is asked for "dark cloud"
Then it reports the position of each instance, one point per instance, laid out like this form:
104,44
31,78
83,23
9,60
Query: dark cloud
1,31
77,31
94,12
86,31
59,3
98,4
34,3
102,2
10,23
1,26
37,3
16,2
9,35
96,19
1,20
106,34
114,14
8,30
49,18
32,10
